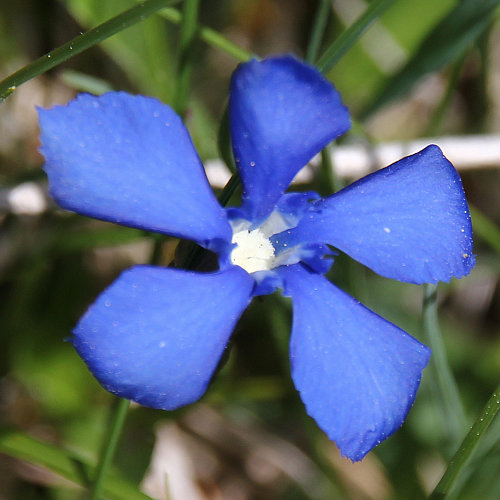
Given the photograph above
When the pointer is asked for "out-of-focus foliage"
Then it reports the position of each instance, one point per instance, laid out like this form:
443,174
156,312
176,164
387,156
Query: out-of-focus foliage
143,52
249,437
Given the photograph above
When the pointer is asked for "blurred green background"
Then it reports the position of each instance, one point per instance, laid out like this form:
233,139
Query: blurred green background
249,437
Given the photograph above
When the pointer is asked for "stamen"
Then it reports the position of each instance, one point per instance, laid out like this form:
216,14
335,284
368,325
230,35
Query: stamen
254,252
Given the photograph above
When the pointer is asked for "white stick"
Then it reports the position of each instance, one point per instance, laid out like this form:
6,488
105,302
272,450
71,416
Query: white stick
354,161
350,162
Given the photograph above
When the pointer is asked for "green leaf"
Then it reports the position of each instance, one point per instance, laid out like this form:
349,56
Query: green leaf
449,39
67,464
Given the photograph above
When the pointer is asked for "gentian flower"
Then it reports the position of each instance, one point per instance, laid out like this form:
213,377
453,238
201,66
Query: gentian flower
156,335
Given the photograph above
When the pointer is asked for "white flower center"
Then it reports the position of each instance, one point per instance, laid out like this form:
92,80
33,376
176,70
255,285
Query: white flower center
254,252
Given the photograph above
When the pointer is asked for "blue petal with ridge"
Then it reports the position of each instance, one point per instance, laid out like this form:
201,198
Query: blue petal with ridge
357,373
156,335
282,113
130,160
409,221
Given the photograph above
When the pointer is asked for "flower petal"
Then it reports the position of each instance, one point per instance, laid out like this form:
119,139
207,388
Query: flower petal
356,372
409,221
282,113
156,335
130,160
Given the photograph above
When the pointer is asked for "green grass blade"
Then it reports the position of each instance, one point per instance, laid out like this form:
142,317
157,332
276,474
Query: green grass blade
347,39
224,145
118,414
187,37
448,41
211,37
453,414
85,83
318,30
66,464
437,118
69,240
485,229
467,447
143,51
81,43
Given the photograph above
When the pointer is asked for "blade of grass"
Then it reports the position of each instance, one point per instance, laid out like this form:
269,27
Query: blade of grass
318,30
448,41
485,229
211,37
81,43
188,35
67,240
347,39
118,415
85,83
66,464
438,115
453,414
142,51
224,145
467,447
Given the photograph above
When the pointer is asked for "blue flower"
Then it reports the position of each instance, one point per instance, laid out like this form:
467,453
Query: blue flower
156,335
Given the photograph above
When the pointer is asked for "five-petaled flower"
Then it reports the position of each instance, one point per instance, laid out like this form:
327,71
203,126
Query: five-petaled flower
156,335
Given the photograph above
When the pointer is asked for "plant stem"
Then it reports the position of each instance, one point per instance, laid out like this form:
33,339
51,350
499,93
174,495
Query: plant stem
345,41
327,171
453,413
229,189
189,26
485,228
80,43
437,117
318,30
118,414
467,447
211,37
